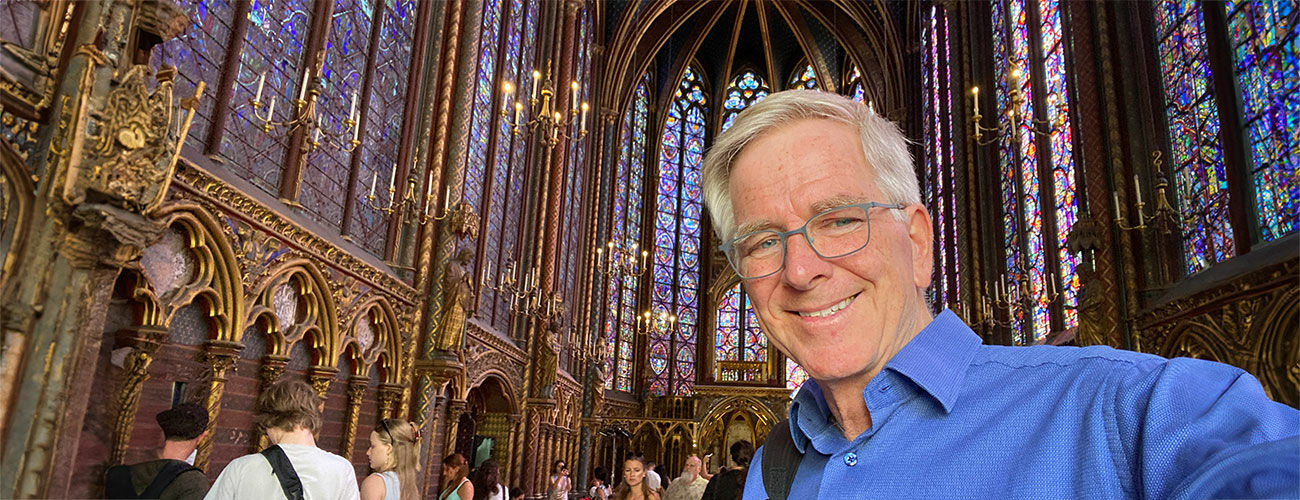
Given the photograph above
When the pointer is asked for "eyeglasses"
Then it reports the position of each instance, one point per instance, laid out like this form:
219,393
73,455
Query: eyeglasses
831,234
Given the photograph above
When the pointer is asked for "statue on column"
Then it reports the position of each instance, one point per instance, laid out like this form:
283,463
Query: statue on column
460,298
598,384
548,361
1084,240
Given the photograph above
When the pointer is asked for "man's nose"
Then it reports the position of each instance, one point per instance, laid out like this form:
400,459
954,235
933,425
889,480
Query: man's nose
802,264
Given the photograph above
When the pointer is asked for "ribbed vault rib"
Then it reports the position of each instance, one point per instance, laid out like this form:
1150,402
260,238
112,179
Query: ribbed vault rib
810,49
766,33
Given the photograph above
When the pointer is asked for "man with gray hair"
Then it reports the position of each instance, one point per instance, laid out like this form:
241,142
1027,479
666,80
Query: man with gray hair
690,485
817,204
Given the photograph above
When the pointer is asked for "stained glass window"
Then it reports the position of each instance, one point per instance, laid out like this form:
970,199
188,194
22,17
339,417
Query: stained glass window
737,335
575,173
485,88
273,46
1193,117
677,240
383,128
272,53
857,89
198,54
940,166
325,173
806,79
506,170
745,89
1031,210
620,323
1264,46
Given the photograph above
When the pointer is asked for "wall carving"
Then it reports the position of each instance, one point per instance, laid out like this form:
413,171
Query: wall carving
482,361
193,179
1250,322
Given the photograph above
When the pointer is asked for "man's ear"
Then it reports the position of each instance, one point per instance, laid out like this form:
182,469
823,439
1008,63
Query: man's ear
921,234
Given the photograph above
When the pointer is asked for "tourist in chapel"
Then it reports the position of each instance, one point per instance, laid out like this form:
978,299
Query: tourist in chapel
599,490
729,482
292,467
487,482
652,478
394,457
817,203
171,476
455,486
634,485
558,486
690,485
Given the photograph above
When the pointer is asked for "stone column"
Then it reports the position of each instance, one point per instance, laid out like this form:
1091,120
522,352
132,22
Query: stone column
272,367
510,471
389,395
320,377
455,408
221,355
356,391
558,154
84,231
532,442
144,342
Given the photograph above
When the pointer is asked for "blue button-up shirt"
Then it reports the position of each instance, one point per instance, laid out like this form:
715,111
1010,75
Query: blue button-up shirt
951,418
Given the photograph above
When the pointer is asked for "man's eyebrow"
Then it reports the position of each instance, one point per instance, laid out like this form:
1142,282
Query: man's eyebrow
836,202
819,207
752,226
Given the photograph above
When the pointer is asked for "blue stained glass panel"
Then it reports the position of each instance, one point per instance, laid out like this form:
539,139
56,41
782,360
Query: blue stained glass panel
197,53
677,245
806,79
387,101
325,174
273,46
1265,46
745,89
627,223
1192,115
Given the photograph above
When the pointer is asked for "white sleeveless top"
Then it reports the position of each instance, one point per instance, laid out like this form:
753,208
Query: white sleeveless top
392,486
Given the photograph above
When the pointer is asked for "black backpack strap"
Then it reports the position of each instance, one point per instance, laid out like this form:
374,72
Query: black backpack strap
165,476
283,469
117,482
780,461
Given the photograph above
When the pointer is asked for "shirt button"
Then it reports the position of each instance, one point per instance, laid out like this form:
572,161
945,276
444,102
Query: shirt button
851,459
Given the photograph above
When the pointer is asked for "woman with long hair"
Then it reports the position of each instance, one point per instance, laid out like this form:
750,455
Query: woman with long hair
634,486
394,458
454,484
487,482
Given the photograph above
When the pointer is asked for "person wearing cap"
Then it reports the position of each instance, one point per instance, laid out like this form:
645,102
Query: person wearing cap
171,476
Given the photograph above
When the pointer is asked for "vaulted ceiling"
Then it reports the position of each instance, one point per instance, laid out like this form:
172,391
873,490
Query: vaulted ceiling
774,38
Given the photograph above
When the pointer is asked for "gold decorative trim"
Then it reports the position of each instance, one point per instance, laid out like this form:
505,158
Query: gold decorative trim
492,341
197,181
356,393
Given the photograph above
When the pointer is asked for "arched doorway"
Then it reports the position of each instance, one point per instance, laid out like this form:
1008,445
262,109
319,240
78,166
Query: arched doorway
485,428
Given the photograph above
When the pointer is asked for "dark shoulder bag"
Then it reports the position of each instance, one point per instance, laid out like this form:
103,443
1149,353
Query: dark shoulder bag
780,461
117,484
283,469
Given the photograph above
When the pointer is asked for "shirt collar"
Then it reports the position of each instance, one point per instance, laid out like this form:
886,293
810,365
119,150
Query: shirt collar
935,360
